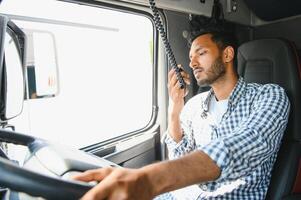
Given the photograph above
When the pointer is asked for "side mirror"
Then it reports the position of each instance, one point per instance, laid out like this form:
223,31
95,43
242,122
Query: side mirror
12,40
41,64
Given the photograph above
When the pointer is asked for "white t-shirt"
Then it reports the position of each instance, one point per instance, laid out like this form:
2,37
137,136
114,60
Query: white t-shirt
217,109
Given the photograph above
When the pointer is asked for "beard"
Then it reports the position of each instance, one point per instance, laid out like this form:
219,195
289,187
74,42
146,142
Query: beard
216,71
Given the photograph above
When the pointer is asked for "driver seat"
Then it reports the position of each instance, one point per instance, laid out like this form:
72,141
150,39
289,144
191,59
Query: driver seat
276,61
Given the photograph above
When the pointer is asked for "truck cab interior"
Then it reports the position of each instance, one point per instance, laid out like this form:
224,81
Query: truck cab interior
269,51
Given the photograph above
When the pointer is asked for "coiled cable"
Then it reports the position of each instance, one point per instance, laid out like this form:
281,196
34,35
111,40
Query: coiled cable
168,50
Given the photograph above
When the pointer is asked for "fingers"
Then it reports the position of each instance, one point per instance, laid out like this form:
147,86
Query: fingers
99,192
93,175
173,80
185,75
186,78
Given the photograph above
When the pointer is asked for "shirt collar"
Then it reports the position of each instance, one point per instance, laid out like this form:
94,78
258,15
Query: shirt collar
237,92
234,97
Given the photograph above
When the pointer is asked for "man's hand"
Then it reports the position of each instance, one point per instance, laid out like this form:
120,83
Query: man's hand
176,103
151,180
176,94
117,183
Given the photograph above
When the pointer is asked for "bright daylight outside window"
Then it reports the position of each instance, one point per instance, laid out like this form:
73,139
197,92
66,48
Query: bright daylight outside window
104,60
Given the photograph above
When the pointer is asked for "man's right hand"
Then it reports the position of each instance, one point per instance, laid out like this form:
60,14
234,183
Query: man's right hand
176,103
175,92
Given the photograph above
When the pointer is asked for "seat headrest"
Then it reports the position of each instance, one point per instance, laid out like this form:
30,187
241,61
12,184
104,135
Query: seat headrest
274,61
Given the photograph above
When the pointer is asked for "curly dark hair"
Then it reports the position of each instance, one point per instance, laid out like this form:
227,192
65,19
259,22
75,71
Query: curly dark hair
222,32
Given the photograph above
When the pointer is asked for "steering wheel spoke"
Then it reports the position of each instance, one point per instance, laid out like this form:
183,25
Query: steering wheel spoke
41,174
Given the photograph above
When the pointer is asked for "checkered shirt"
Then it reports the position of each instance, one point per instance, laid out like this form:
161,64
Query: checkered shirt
244,144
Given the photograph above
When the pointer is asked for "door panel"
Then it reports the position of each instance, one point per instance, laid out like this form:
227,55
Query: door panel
138,151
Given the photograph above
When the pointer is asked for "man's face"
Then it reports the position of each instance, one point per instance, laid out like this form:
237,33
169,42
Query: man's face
206,60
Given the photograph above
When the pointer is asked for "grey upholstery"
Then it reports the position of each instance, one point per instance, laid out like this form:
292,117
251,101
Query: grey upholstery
275,61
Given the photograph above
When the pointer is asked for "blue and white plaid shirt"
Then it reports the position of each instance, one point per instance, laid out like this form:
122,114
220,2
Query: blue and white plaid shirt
245,143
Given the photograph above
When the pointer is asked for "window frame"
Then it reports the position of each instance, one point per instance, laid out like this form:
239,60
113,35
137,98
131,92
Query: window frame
154,92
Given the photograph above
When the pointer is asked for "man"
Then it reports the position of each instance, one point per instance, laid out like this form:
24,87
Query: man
225,140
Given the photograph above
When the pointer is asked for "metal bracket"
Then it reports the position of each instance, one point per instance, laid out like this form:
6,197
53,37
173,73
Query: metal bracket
231,6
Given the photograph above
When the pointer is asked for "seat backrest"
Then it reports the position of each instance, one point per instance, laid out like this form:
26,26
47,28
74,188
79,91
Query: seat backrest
276,61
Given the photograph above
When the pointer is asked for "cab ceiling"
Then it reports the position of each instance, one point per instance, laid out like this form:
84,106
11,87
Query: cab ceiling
240,14
247,12
187,6
270,10
267,10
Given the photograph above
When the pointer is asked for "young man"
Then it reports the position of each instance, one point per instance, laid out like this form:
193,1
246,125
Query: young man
225,140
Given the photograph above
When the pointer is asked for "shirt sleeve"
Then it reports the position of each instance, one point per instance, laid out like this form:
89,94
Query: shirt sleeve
187,144
176,150
256,140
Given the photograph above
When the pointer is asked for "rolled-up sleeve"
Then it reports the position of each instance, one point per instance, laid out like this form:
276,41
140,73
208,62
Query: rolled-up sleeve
257,138
176,150
187,143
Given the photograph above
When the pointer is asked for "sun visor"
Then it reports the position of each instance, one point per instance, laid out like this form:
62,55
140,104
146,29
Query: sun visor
269,10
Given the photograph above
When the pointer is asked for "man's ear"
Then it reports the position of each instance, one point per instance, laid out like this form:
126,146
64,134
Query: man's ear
228,54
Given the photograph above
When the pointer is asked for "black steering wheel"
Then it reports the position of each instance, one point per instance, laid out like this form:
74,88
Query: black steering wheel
42,172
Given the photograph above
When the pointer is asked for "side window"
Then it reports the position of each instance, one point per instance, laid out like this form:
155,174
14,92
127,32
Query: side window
105,72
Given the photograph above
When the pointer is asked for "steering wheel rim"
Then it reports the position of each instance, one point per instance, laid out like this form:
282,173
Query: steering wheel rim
36,184
33,183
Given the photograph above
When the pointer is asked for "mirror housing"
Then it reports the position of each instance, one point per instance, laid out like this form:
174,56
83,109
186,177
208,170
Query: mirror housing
12,42
41,64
